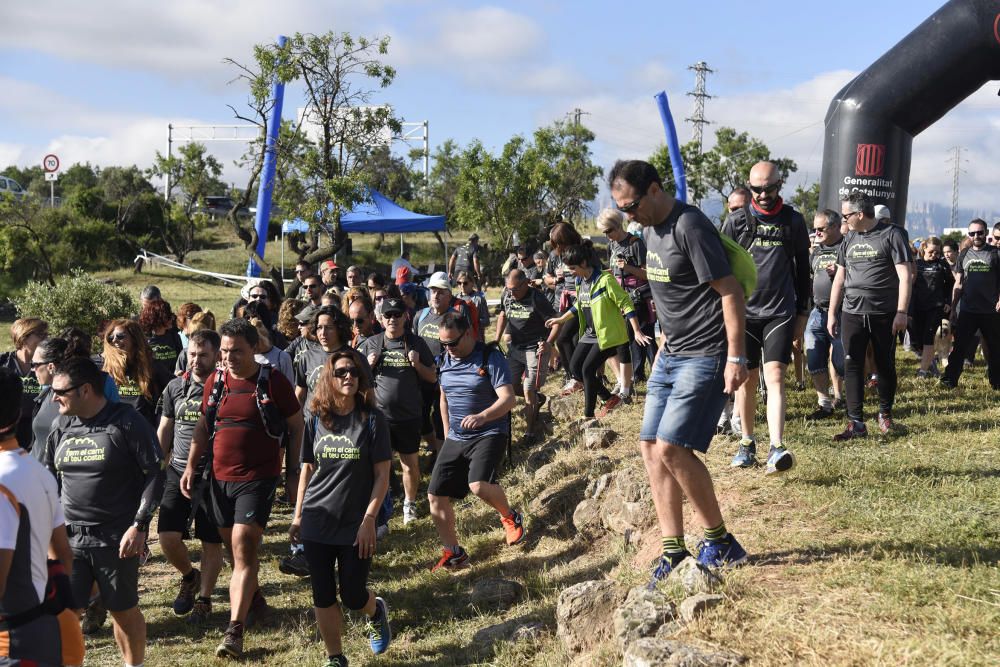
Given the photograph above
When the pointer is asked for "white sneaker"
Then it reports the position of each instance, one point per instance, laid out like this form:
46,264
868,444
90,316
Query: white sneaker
409,511
617,389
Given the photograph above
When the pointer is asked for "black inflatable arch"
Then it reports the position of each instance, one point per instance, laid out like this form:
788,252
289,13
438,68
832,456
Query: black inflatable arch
871,122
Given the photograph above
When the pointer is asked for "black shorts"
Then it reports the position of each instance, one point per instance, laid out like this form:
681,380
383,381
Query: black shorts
926,322
175,509
117,578
771,339
462,462
242,502
405,436
327,564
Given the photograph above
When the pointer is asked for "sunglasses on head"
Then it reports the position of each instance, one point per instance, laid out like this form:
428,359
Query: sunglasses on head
344,371
114,338
761,189
64,392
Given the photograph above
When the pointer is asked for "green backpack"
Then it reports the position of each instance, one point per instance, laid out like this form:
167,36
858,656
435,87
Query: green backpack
741,261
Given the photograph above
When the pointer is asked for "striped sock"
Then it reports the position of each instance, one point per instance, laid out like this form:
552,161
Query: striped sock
716,534
674,549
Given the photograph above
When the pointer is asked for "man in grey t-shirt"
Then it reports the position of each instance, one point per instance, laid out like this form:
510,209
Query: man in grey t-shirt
701,310
819,343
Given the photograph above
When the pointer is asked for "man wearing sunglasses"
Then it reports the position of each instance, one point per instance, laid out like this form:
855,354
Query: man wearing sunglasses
869,303
819,342
976,296
776,235
108,464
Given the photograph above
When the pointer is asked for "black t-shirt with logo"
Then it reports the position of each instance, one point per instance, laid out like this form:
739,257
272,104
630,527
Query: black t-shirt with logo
633,251
105,466
526,317
585,311
556,268
166,348
181,401
980,279
871,286
340,489
130,393
822,256
308,365
397,385
932,288
683,254
29,391
427,323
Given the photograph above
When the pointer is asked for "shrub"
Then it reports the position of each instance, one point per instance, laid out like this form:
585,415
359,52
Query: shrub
79,301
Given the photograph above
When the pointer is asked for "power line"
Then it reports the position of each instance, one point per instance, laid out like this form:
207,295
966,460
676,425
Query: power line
701,70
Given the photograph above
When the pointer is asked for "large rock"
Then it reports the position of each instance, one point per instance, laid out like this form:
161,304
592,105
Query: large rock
565,408
559,499
598,437
660,652
517,629
642,614
696,605
548,470
628,502
587,516
582,614
695,578
494,593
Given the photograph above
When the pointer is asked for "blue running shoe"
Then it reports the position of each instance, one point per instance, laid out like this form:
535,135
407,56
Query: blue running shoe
779,460
746,455
662,570
379,632
726,552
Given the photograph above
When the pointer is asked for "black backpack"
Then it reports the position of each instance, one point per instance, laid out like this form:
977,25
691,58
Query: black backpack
741,226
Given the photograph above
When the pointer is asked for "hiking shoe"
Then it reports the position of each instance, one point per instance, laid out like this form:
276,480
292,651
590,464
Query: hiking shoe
451,561
339,661
295,565
609,405
779,460
184,602
726,552
513,526
571,387
232,644
947,382
746,455
626,396
819,413
200,612
662,570
884,423
94,616
409,511
854,430
379,632
259,611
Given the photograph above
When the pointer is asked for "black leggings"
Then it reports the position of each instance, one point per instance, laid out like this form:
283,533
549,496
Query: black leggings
588,365
965,339
566,344
856,332
351,570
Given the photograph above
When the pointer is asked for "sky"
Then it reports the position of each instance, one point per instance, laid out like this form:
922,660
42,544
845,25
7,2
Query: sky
99,81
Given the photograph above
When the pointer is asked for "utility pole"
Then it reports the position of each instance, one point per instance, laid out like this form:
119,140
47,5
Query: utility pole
701,70
576,114
957,159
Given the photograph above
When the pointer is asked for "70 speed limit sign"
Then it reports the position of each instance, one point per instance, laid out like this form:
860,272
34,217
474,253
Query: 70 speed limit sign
50,163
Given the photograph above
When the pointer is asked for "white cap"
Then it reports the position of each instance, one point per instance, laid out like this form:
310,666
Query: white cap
882,212
441,280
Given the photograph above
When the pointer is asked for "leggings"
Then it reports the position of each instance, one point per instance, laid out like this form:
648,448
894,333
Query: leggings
566,344
351,570
588,365
966,327
856,331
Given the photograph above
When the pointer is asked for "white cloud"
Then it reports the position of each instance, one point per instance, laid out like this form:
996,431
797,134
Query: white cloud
486,35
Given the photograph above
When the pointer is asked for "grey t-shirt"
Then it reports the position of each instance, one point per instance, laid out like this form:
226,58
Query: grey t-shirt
427,328
980,279
181,401
397,385
871,286
46,413
309,362
633,251
822,256
526,317
684,253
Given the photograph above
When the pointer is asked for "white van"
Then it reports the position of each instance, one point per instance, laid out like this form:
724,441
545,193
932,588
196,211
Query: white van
9,185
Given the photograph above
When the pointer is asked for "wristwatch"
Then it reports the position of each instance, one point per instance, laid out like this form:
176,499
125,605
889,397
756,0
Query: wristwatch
742,361
141,526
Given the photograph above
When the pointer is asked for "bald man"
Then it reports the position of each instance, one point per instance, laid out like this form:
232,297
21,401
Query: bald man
777,237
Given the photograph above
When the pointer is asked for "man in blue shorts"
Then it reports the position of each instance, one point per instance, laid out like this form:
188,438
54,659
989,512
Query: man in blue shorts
700,306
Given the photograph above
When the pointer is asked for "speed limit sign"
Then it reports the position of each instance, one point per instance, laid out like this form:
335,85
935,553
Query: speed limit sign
50,163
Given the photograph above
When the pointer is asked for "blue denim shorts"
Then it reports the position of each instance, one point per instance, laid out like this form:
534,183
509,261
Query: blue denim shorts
684,398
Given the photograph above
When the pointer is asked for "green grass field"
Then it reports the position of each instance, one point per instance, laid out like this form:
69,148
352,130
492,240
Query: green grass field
882,551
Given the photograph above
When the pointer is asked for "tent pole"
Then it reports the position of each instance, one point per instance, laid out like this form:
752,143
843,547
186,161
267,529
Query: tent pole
282,258
401,248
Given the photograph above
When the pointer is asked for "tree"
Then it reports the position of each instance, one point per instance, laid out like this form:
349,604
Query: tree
196,174
563,169
442,188
81,301
806,200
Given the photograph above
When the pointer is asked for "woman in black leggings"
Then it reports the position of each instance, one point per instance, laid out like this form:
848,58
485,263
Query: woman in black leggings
601,325
560,279
345,474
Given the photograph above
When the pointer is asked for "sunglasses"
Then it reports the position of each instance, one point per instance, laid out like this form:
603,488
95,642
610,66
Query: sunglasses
36,364
851,215
451,343
359,320
341,373
819,230
117,338
63,392
313,286
761,189
392,316
975,234
632,205
380,297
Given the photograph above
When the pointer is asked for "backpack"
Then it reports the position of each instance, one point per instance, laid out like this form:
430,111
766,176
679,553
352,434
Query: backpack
741,261
408,336
274,422
463,307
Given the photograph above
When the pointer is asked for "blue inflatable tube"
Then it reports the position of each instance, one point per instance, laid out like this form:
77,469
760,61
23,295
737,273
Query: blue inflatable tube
673,147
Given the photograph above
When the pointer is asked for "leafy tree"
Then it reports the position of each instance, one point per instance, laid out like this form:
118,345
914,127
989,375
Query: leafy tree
563,169
196,174
442,188
81,301
806,200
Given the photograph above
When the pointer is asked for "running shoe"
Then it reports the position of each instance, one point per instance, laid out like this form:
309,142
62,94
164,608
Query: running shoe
184,602
232,644
854,430
609,405
726,552
452,561
884,423
626,396
819,413
746,455
662,570
94,616
295,565
409,511
779,460
617,389
379,632
200,612
571,387
513,526
339,661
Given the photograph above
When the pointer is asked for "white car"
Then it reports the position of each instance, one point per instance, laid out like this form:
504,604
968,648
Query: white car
12,187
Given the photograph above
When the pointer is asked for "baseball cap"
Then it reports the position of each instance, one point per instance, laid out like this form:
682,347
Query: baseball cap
440,279
402,275
328,264
882,212
393,306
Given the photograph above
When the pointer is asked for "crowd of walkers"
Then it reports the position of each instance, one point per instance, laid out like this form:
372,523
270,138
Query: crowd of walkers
308,400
